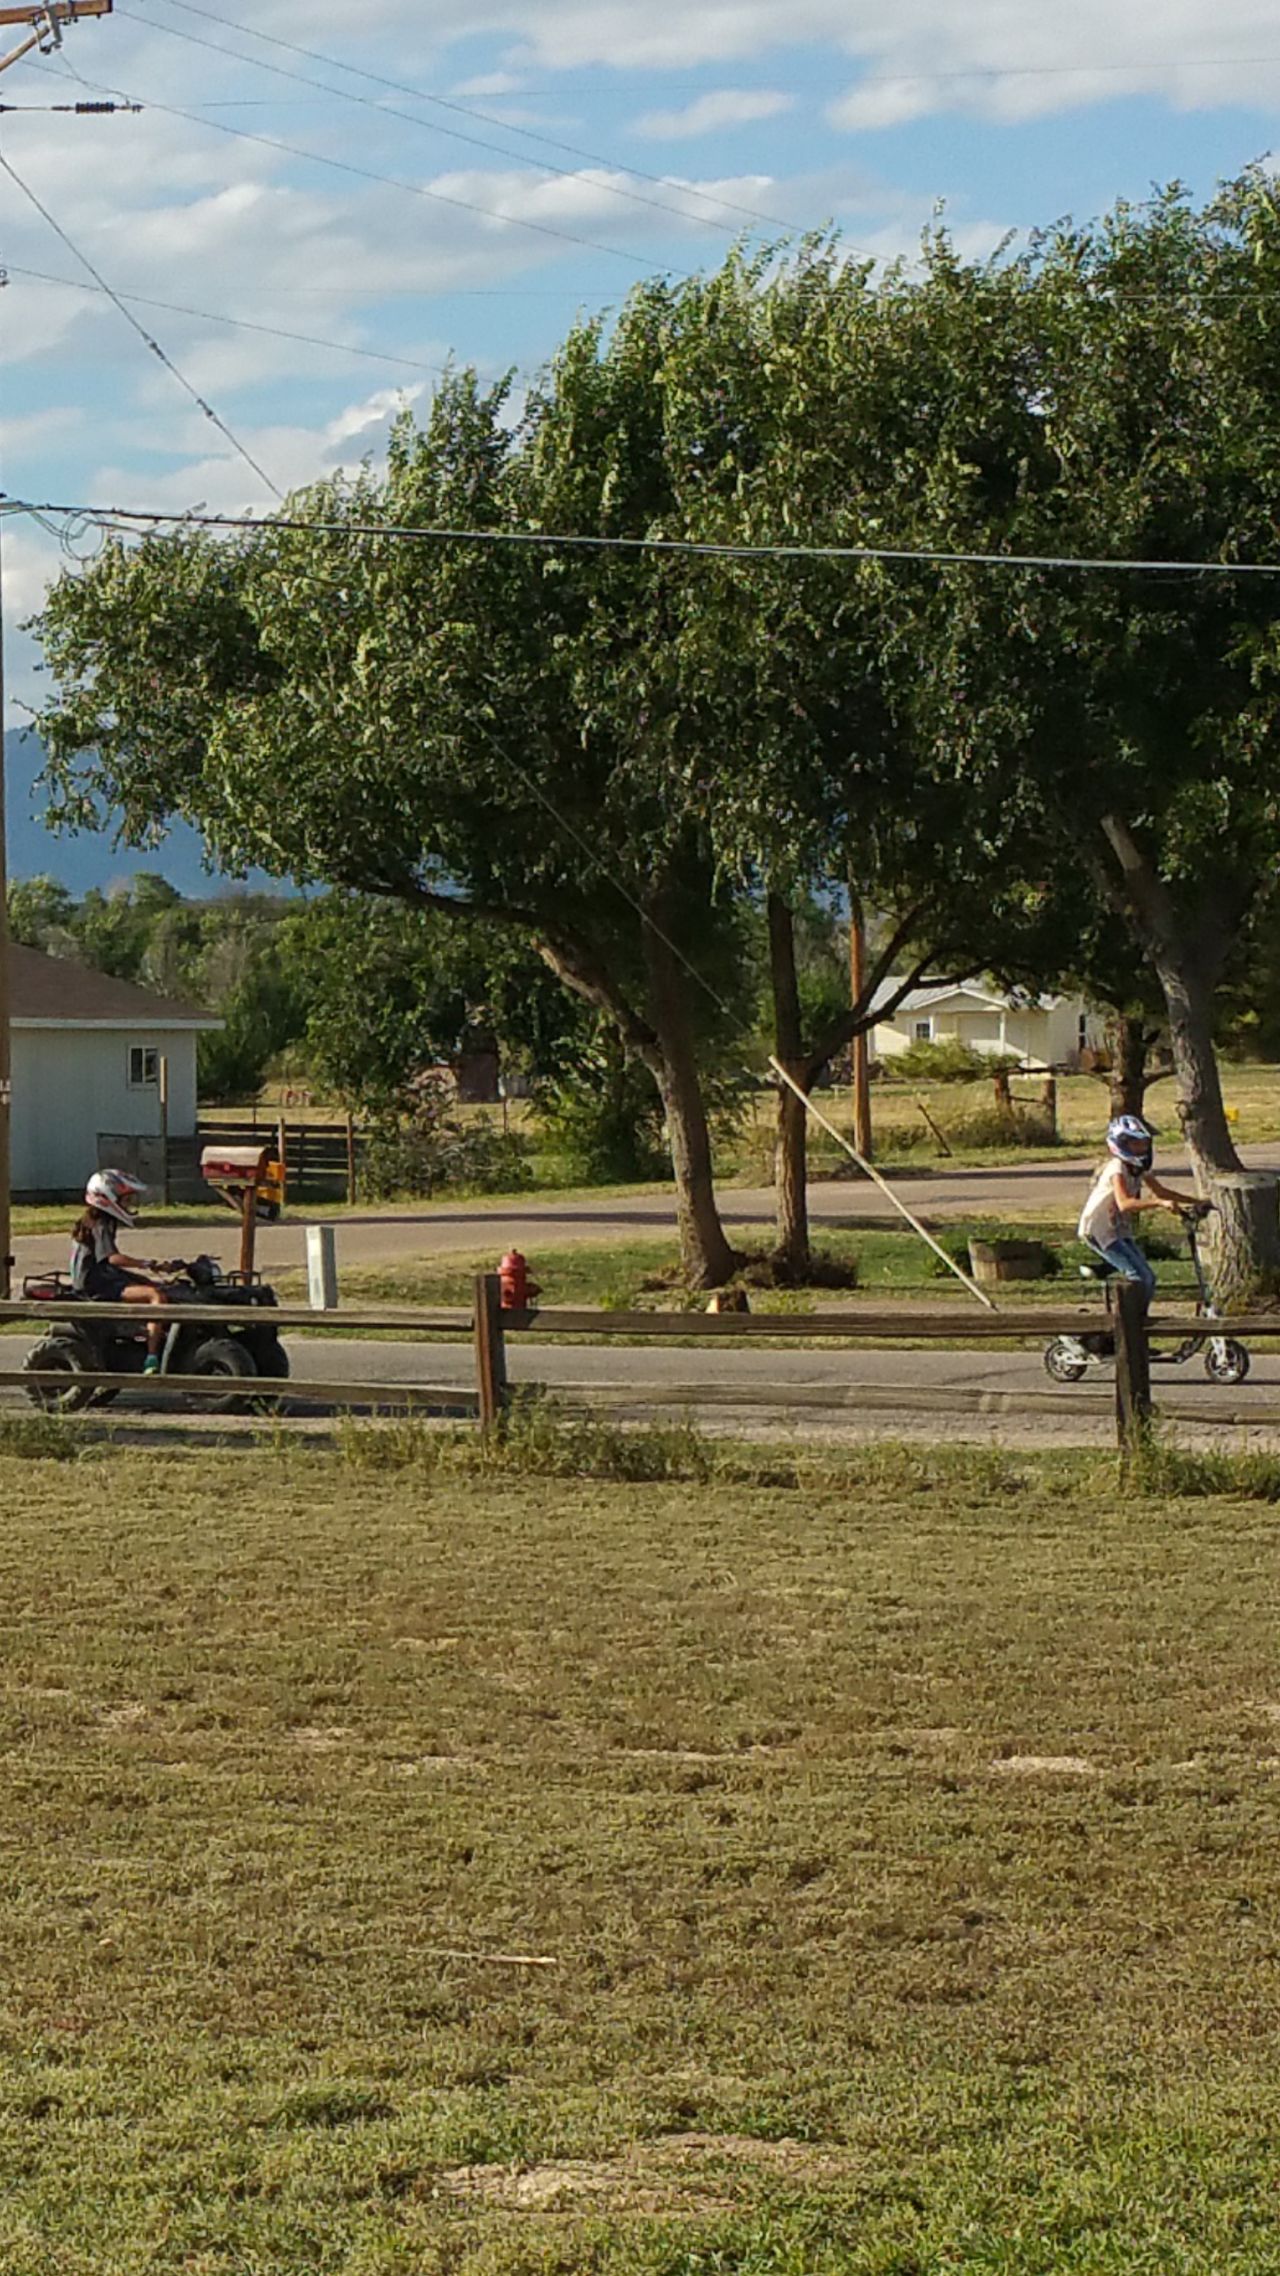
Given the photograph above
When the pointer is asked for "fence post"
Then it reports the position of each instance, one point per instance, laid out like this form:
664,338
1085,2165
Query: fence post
1133,1365
491,1349
351,1161
162,1084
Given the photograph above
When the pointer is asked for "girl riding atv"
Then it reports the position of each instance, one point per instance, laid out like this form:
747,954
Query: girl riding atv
99,1267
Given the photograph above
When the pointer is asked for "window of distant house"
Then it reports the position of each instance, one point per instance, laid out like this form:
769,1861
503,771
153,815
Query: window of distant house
144,1067
1082,1030
924,1031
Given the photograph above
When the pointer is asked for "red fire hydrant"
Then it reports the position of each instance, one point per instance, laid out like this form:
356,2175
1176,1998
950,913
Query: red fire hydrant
518,1291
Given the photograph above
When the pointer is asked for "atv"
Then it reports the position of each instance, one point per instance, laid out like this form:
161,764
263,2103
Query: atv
248,1346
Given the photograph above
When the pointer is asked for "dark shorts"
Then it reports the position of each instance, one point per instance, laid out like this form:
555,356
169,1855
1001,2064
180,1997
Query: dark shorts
106,1283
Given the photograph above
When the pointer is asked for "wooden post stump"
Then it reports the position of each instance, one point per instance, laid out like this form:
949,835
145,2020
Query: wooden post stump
491,1349
1133,1365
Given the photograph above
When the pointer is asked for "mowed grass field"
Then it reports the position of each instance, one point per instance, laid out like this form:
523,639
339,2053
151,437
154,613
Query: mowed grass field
904,1841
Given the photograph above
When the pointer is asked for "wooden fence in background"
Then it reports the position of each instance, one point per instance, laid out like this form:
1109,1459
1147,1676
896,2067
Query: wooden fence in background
322,1159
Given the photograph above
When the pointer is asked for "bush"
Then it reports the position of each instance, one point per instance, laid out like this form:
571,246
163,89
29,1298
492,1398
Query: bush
429,1149
986,1126
947,1062
604,1116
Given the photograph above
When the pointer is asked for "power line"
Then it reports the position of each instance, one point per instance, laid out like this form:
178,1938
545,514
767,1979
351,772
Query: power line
141,330
469,111
389,181
240,323
386,111
128,517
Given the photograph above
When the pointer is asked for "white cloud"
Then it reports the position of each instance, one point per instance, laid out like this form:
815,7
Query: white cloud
712,113
492,84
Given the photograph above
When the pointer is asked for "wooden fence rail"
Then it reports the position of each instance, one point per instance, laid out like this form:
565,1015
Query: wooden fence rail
488,1326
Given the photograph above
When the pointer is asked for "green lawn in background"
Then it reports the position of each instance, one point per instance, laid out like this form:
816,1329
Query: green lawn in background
904,1843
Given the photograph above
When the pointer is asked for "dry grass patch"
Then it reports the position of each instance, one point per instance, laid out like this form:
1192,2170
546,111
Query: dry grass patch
306,1763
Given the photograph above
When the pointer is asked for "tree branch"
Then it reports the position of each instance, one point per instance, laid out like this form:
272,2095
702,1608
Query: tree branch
573,962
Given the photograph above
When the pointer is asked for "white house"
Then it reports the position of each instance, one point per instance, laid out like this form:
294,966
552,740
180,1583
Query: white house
86,1054
1041,1031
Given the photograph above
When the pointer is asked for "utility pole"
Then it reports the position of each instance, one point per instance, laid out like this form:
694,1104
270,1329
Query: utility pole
862,1134
44,31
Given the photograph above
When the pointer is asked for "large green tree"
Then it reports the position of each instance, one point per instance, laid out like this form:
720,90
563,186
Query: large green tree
423,722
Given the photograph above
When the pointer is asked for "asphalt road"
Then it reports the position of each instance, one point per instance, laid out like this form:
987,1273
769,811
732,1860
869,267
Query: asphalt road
396,1236
927,1394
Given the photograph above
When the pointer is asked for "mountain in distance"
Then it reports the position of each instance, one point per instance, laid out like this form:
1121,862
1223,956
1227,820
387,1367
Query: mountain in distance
83,859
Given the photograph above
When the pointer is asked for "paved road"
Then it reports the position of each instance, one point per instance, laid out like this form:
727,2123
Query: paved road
927,1394
397,1236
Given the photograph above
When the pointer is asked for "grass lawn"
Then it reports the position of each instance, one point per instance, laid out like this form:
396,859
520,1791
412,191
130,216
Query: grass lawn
620,1274
904,1843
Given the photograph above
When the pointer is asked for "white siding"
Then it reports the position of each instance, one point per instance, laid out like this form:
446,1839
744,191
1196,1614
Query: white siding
70,1083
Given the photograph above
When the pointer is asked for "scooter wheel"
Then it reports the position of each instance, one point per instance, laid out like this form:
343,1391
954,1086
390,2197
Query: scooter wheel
1062,1363
1226,1361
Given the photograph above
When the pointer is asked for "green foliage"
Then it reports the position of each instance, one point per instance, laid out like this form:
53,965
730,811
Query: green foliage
601,1112
947,1061
421,1146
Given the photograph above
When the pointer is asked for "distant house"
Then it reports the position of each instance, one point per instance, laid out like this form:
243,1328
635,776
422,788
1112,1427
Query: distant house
86,1054
1040,1031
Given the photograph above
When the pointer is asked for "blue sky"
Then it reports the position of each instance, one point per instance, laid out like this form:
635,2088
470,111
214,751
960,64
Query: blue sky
668,127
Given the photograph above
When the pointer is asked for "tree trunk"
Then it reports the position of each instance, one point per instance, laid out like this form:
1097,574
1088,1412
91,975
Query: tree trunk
705,1253
790,1152
1127,1041
1189,1001
1241,1241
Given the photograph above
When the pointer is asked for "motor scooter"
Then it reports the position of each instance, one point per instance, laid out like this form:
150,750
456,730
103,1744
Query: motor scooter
1068,1358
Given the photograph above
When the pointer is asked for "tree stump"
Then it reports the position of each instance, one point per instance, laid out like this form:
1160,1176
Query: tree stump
1241,1241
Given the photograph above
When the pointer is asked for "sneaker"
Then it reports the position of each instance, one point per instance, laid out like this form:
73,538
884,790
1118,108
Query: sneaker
151,1364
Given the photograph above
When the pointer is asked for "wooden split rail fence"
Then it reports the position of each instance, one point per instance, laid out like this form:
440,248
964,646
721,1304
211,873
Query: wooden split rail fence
489,1327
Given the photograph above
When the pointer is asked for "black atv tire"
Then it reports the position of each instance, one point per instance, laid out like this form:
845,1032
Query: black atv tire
227,1357
273,1359
67,1352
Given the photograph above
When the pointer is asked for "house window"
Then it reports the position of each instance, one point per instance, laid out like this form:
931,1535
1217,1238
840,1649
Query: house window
924,1031
144,1067
1082,1031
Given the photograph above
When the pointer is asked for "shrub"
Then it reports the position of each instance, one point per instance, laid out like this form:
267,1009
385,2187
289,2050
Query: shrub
950,1061
429,1148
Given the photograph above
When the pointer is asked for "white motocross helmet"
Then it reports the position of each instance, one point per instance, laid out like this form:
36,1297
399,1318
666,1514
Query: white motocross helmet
115,1194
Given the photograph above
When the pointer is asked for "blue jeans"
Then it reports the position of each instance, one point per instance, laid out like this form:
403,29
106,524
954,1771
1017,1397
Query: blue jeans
1126,1258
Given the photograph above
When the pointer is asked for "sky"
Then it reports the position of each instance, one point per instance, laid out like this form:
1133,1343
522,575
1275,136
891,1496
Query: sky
397,183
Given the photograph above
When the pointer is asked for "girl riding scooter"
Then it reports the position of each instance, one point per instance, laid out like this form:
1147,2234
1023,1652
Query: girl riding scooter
99,1267
1122,1188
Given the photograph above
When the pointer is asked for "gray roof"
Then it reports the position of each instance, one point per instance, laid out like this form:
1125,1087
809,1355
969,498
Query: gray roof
937,992
55,991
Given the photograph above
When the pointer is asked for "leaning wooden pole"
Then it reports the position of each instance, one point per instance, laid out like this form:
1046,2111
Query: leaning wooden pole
884,1185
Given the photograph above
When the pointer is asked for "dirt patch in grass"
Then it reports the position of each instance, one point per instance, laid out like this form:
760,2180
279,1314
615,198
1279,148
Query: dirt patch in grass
672,2177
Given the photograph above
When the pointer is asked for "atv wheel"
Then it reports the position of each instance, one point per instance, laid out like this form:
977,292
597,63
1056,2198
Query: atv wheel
67,1354
1225,1360
273,1359
1063,1362
223,1356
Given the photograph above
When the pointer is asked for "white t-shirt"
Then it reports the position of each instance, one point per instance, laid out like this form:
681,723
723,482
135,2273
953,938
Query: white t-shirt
1101,1220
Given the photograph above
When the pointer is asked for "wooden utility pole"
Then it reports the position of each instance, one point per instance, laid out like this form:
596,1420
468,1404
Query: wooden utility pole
44,30
862,1134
